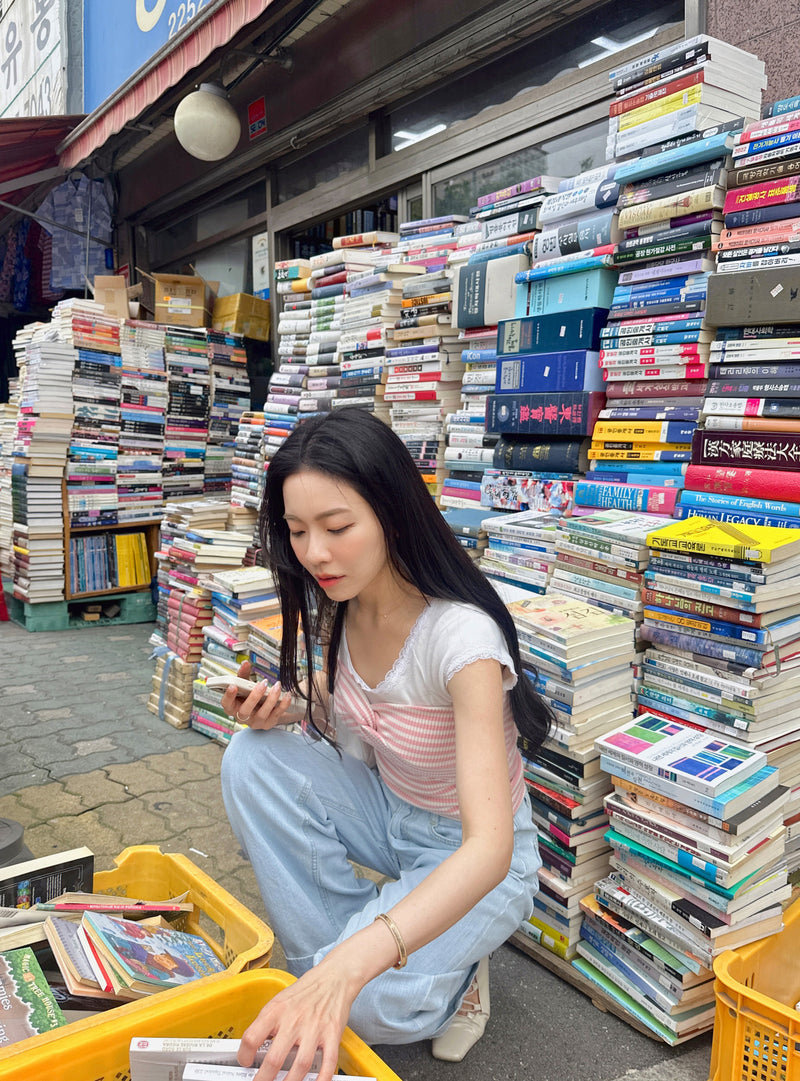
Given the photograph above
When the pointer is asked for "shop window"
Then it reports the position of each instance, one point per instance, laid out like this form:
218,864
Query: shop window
565,155
322,165
594,36
184,235
310,240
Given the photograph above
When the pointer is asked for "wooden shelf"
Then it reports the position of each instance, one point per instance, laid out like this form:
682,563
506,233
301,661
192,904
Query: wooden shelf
112,591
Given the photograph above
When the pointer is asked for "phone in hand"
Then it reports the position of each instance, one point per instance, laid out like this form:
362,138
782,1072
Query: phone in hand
243,686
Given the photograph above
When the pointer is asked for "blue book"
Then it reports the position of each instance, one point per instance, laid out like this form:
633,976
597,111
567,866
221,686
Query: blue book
672,469
665,636
769,142
777,108
411,350
589,289
574,370
676,283
676,325
328,291
473,355
455,483
356,373
741,503
567,266
700,150
545,333
497,253
738,218
622,496
753,635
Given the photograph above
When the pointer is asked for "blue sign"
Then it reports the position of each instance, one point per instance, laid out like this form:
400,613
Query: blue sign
119,36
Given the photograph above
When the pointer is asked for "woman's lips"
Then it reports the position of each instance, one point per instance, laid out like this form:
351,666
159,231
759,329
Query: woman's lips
326,580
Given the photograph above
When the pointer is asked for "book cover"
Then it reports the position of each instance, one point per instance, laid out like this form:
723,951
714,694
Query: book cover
535,373
576,330
568,413
28,1005
24,884
681,754
485,293
706,537
149,957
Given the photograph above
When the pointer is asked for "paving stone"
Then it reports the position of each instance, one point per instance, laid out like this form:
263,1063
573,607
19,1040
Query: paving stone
140,777
134,823
72,831
95,789
44,802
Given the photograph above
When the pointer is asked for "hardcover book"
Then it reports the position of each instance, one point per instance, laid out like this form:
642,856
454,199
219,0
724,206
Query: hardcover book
703,536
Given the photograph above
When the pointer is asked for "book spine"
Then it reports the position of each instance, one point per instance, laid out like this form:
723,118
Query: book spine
768,193
743,449
656,500
568,413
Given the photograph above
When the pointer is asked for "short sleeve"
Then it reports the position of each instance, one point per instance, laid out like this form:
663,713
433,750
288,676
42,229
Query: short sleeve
463,634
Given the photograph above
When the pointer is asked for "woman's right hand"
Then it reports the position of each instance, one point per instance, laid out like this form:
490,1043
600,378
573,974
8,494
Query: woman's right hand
262,708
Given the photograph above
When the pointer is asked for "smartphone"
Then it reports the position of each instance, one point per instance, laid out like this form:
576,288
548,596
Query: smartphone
243,686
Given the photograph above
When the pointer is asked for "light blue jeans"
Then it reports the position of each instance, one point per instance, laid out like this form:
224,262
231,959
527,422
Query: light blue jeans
301,813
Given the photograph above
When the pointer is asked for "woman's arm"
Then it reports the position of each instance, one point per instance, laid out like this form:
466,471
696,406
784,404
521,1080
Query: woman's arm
313,1011
265,711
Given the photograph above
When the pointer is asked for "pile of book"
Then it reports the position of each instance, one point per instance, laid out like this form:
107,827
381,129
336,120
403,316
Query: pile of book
238,597
723,626
520,548
186,431
91,470
578,658
697,868
247,466
8,425
230,397
303,344
143,411
40,444
601,558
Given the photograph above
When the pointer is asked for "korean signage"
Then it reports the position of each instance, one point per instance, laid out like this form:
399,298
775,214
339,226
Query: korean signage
119,36
31,59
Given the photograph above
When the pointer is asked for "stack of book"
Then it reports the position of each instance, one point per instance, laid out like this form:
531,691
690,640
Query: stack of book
230,397
41,441
143,411
576,657
8,425
723,626
698,847
601,558
91,471
264,644
467,526
247,471
171,691
186,431
238,597
520,548
85,324
300,345
680,91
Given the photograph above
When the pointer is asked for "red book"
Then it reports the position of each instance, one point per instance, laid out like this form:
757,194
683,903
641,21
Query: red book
735,480
644,97
329,279
767,193
704,609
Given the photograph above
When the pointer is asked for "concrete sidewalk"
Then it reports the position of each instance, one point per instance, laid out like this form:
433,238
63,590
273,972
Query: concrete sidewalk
83,762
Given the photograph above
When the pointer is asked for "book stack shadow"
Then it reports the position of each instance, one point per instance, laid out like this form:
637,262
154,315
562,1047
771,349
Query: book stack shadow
575,656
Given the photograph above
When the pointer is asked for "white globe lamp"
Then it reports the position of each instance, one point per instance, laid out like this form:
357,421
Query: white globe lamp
206,124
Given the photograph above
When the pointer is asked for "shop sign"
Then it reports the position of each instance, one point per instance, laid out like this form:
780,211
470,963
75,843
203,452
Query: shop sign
257,117
31,59
119,36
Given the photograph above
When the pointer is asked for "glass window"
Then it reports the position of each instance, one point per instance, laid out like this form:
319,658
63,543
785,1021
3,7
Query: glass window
324,164
565,155
179,236
589,38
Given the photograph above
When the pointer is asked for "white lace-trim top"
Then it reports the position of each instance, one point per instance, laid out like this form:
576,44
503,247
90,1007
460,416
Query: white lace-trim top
446,637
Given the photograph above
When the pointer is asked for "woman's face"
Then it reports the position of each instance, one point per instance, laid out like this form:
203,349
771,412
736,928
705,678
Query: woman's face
335,535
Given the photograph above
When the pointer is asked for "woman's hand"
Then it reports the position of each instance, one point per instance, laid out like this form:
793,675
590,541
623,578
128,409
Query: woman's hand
261,708
309,1014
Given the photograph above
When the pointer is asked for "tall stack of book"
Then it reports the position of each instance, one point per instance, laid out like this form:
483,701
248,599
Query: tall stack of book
655,350
744,461
697,866
723,629
297,348
143,411
247,466
186,431
520,548
372,307
8,425
230,397
578,657
41,440
237,597
601,559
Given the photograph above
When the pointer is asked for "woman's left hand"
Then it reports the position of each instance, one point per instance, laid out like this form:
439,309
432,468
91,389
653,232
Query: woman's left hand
309,1014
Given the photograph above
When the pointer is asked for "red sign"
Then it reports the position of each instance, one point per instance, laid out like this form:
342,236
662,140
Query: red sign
257,117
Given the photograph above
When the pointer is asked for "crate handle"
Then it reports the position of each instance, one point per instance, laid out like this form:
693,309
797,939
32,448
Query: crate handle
752,1015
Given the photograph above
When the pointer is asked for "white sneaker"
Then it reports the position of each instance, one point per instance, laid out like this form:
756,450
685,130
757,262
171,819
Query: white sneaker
469,1023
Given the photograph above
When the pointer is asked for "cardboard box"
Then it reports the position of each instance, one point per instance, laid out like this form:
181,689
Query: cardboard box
243,314
183,300
111,291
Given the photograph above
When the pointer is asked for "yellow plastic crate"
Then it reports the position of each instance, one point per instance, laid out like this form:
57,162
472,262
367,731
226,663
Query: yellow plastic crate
756,1028
215,1007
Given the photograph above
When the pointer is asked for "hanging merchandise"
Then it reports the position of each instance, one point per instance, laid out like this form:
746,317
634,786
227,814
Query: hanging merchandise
81,204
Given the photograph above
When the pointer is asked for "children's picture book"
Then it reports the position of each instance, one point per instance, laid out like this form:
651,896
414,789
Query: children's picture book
27,1005
684,755
707,537
147,958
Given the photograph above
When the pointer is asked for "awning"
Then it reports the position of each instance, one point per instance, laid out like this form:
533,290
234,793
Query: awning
171,64
28,155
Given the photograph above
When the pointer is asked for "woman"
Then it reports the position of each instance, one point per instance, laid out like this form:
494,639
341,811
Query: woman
408,762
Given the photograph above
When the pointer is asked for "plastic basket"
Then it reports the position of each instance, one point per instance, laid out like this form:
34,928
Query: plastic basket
97,1049
756,1028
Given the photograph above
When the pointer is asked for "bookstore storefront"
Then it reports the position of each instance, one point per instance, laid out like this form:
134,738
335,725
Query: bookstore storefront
413,121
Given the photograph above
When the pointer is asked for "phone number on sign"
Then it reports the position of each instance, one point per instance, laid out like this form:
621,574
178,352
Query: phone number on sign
147,18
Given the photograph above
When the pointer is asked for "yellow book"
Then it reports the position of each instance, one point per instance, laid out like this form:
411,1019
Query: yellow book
123,561
638,445
643,431
661,107
672,206
651,453
142,539
702,536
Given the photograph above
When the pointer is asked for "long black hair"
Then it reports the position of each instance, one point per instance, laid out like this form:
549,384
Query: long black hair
355,447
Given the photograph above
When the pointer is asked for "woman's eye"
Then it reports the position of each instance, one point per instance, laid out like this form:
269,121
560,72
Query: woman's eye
297,533
343,529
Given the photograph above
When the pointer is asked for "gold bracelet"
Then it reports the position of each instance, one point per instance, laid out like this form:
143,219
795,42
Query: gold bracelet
398,938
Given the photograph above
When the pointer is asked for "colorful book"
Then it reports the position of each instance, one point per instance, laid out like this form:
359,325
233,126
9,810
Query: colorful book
703,536
681,754
28,1005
